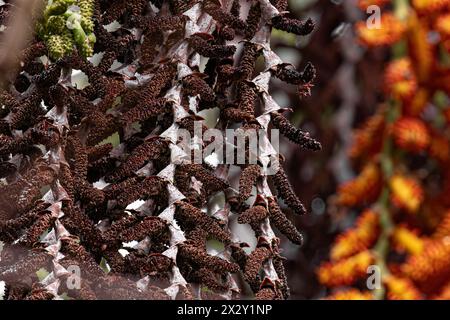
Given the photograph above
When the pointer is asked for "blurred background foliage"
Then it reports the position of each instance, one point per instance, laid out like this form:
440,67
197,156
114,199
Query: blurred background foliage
346,91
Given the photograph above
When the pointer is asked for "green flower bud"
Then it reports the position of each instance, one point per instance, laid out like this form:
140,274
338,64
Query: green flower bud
57,7
59,45
56,24
62,28
41,31
87,24
86,8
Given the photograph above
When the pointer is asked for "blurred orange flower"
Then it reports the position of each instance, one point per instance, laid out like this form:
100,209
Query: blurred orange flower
430,6
401,289
364,188
400,80
407,240
390,31
443,229
439,147
430,268
364,4
406,193
362,236
442,25
350,294
346,271
418,102
368,138
411,134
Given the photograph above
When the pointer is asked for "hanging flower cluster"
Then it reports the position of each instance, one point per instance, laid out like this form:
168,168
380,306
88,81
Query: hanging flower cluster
402,156
66,24
89,181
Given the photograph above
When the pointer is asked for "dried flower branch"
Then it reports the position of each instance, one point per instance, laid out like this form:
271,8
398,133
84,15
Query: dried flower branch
89,172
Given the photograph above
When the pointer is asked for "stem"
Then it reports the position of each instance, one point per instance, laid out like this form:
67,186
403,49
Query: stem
381,248
401,9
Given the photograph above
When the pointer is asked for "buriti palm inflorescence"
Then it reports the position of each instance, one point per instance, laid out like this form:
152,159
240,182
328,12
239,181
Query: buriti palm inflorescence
87,176
67,24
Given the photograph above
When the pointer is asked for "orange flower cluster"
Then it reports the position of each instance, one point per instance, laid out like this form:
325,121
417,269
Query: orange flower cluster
363,189
346,271
364,4
406,193
411,134
400,80
391,31
402,156
406,240
443,230
430,6
350,294
368,139
401,289
431,267
362,236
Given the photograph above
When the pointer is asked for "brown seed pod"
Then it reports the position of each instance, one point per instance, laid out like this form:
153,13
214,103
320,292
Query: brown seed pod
286,73
155,264
209,50
297,136
194,85
43,223
39,293
238,254
246,96
301,28
101,127
150,187
254,263
200,257
78,223
97,152
179,6
282,223
213,8
205,277
72,248
236,115
255,214
26,267
28,113
205,176
250,53
151,149
150,226
161,23
268,291
8,102
10,229
188,213
281,5
77,157
277,261
161,79
253,20
145,110
286,192
247,180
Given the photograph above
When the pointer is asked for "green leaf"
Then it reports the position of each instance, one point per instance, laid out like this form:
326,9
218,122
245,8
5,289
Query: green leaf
42,274
114,139
104,266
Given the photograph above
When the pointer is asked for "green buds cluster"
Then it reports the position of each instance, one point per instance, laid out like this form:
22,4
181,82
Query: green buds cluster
67,24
